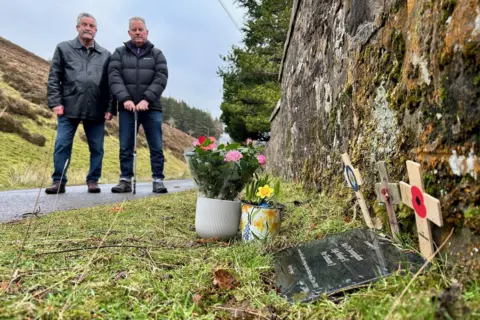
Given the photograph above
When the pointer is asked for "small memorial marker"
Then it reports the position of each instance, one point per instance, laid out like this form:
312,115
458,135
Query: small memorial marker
426,207
354,180
339,262
388,193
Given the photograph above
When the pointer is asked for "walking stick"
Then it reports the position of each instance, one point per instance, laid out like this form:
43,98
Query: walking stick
135,155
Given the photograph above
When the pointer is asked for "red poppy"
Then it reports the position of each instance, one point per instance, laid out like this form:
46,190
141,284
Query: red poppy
418,203
386,196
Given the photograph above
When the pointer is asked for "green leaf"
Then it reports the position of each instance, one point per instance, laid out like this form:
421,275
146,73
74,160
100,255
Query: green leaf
232,146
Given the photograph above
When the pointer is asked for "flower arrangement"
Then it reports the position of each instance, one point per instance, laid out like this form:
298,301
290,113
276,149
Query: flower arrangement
221,172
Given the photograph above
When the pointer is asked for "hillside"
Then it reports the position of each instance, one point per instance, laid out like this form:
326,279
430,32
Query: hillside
27,130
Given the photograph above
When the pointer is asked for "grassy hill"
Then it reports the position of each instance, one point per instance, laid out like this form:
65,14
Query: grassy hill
28,129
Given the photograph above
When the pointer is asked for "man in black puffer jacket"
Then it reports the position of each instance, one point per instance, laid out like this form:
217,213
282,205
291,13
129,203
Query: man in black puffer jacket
78,92
138,75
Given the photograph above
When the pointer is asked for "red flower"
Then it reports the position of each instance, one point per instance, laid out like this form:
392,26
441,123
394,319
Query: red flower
418,203
202,143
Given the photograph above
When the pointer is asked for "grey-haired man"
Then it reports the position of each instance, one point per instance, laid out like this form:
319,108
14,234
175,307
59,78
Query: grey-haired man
78,91
138,76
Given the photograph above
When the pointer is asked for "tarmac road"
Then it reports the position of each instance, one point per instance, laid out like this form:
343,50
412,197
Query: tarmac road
14,204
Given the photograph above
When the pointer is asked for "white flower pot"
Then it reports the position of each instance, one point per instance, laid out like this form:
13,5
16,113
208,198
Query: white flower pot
217,218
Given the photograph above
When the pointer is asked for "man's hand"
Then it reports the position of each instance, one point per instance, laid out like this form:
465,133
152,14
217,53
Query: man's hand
108,116
129,105
58,110
142,105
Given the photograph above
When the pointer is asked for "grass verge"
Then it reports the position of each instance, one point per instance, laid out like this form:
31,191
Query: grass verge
142,259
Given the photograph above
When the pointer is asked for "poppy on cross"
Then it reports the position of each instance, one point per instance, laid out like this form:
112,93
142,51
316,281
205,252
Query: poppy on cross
427,208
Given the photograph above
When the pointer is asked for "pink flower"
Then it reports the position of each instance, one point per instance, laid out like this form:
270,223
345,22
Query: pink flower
249,141
233,156
261,159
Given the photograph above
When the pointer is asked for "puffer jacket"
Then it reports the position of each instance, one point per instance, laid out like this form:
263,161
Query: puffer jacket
78,80
138,77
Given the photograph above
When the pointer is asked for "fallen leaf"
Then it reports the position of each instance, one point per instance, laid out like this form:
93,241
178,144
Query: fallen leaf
224,280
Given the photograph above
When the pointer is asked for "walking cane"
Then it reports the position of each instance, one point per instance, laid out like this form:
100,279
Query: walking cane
135,156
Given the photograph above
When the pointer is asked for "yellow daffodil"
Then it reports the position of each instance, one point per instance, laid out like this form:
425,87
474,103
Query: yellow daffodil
264,191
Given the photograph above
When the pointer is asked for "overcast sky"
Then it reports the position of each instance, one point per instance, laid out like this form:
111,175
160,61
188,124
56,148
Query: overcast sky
191,33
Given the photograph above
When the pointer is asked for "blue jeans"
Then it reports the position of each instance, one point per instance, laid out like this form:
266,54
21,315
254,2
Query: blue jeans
94,130
152,125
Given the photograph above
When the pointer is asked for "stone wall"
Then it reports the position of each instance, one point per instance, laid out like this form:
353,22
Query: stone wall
383,80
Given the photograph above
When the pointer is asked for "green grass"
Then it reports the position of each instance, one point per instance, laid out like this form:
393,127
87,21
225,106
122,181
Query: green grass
169,274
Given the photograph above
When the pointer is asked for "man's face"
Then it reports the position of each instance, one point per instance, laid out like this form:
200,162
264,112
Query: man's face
138,32
87,28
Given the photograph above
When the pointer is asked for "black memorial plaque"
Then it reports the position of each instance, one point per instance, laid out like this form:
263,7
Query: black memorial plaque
339,262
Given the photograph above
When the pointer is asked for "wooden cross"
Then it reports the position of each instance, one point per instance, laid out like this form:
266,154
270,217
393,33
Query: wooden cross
426,207
388,193
354,180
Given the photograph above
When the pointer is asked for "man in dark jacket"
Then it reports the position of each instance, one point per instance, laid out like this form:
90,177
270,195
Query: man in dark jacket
78,92
138,75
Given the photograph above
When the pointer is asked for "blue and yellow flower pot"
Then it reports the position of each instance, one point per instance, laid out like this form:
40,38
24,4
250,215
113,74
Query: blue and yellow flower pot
258,222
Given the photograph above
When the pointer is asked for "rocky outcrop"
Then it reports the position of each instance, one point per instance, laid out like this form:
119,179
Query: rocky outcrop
383,80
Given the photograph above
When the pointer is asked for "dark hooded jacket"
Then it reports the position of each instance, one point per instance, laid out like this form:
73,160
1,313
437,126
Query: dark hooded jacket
78,80
138,74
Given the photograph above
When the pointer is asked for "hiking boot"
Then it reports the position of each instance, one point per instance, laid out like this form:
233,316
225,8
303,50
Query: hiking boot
122,187
56,187
93,187
159,187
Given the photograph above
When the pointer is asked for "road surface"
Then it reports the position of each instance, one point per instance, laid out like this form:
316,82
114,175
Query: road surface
16,203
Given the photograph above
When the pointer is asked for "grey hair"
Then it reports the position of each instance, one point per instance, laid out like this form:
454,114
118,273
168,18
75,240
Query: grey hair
136,19
85,15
